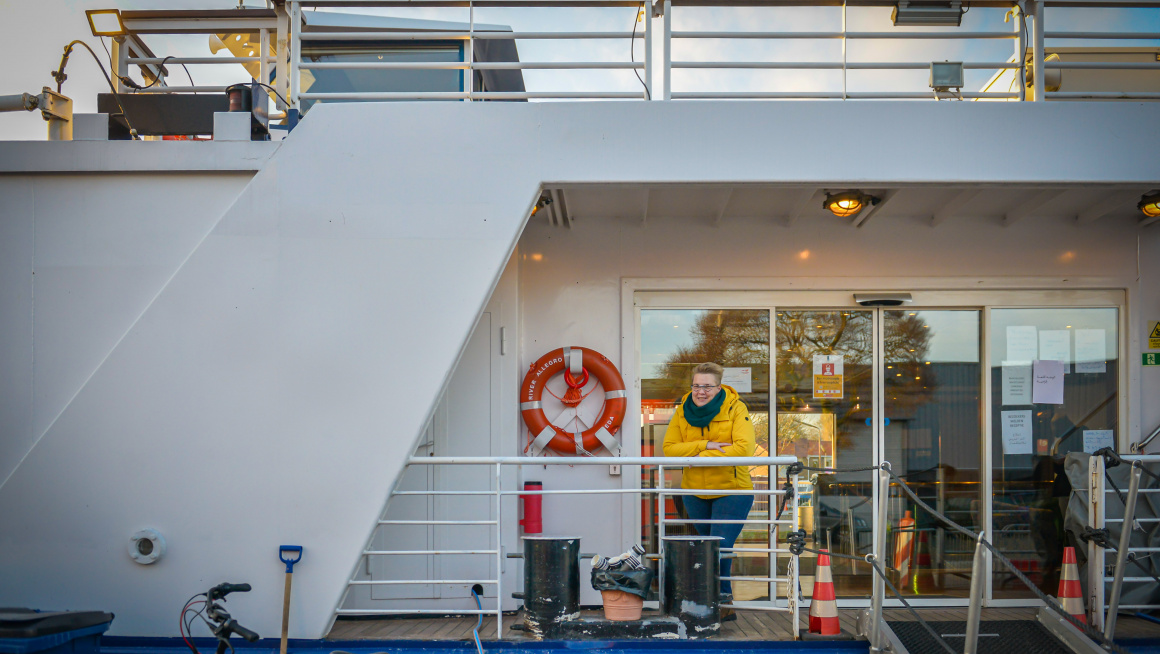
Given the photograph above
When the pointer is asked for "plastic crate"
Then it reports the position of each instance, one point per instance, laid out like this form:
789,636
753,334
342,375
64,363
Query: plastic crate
26,631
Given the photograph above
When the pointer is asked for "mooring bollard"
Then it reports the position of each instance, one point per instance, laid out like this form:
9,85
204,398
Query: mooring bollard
692,582
551,583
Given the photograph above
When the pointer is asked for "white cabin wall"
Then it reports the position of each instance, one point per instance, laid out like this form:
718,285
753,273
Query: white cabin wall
83,256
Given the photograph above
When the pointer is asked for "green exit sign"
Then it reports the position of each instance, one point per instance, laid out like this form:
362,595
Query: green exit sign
1152,359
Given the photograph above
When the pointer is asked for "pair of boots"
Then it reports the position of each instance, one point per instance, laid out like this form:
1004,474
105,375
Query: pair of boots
727,612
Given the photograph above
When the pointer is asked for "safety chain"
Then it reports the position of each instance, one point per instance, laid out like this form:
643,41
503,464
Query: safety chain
794,468
1113,459
1046,599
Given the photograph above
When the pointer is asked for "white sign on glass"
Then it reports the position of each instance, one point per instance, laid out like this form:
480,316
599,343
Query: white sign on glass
1055,345
1022,343
1016,382
1090,350
1097,439
1016,432
741,379
1047,382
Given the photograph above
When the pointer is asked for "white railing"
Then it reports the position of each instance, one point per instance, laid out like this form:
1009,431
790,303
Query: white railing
284,27
504,525
1105,602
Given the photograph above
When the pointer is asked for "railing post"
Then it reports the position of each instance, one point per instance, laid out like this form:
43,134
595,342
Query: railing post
295,52
119,55
499,551
975,608
661,533
794,565
263,68
667,47
1037,50
1122,552
281,57
1019,19
879,584
1095,553
469,53
648,46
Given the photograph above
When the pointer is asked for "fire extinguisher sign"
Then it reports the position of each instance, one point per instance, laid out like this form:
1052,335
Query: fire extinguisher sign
827,376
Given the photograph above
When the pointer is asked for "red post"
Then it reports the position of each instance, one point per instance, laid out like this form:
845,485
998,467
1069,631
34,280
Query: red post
533,520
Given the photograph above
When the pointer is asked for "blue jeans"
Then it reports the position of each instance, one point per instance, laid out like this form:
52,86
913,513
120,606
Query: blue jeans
727,507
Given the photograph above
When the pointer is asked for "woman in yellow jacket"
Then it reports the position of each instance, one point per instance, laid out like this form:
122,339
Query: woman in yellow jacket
712,421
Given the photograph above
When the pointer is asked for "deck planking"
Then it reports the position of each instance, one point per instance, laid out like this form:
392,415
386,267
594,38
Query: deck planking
749,626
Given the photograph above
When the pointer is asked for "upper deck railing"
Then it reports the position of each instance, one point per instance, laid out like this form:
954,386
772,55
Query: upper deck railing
750,46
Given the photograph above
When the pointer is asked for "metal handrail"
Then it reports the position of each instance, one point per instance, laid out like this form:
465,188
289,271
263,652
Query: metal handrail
498,524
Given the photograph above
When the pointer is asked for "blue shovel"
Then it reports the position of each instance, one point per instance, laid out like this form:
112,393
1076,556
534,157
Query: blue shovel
282,555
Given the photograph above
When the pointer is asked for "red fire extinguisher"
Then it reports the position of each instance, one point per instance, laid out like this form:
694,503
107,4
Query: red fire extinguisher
533,520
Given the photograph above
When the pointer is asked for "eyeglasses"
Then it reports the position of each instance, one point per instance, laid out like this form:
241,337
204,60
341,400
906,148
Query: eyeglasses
703,388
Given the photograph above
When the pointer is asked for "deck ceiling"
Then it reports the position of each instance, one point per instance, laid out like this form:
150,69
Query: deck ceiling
787,204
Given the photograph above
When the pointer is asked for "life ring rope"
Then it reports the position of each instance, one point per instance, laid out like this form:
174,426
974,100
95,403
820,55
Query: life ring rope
577,362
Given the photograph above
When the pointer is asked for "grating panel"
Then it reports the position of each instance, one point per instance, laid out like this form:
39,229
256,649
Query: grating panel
995,637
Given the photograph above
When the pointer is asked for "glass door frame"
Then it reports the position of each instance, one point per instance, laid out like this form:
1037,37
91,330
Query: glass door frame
638,294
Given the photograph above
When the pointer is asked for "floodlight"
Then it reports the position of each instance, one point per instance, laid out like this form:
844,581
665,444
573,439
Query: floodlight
847,203
946,75
106,22
947,14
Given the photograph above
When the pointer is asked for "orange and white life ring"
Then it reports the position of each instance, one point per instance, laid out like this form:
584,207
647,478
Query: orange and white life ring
577,362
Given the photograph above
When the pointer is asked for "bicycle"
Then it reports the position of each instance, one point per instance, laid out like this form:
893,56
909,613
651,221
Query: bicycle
215,617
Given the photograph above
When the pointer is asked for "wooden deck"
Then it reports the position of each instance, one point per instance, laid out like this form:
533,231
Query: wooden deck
750,625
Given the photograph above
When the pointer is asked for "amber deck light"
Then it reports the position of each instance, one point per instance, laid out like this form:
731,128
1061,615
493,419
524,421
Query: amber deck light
1150,205
106,22
846,204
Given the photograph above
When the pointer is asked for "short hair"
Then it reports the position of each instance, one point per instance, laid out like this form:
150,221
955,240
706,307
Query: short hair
709,369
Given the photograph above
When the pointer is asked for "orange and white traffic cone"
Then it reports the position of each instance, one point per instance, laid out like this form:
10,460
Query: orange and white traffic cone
1070,593
824,607
903,548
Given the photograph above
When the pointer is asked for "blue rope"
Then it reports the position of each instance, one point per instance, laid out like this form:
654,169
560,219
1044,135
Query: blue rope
478,624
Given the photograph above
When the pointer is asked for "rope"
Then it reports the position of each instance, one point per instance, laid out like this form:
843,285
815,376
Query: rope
1046,599
1102,538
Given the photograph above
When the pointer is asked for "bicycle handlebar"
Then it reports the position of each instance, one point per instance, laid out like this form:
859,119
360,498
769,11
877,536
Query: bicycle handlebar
221,590
242,631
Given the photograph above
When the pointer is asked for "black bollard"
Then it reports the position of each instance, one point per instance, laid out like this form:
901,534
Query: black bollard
692,582
551,583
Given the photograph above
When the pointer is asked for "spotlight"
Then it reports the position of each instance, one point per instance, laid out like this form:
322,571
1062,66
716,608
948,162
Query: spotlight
1150,204
106,22
847,203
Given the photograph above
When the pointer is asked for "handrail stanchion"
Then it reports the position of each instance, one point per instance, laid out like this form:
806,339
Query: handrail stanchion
975,608
791,592
1095,553
667,49
295,54
1122,551
879,588
661,533
499,551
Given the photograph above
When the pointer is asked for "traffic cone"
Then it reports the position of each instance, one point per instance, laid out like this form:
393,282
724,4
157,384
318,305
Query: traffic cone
903,546
1070,593
824,607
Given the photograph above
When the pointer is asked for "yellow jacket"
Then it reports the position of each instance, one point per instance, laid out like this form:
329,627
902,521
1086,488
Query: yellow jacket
731,425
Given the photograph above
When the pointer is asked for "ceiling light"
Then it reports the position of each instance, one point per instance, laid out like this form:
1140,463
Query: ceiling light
847,203
106,22
947,14
1150,204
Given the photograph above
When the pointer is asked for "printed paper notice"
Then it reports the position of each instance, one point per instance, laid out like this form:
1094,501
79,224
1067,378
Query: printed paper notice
827,376
1016,382
1090,350
741,379
1047,382
1016,432
1055,345
1022,343
1098,439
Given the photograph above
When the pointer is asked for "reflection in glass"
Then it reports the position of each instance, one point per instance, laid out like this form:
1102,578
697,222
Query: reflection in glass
932,386
673,342
1030,487
835,510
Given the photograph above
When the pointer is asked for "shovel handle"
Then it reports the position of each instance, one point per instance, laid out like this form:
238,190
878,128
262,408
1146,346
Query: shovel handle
285,613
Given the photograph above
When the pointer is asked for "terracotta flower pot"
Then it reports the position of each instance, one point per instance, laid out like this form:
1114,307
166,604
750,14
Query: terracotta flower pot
620,606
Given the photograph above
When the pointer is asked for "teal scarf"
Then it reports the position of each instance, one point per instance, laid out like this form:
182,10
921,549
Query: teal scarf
701,416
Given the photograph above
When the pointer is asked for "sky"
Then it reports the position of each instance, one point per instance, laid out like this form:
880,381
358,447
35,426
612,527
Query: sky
34,32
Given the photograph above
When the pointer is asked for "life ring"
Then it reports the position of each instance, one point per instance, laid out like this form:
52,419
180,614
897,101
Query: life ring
574,361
